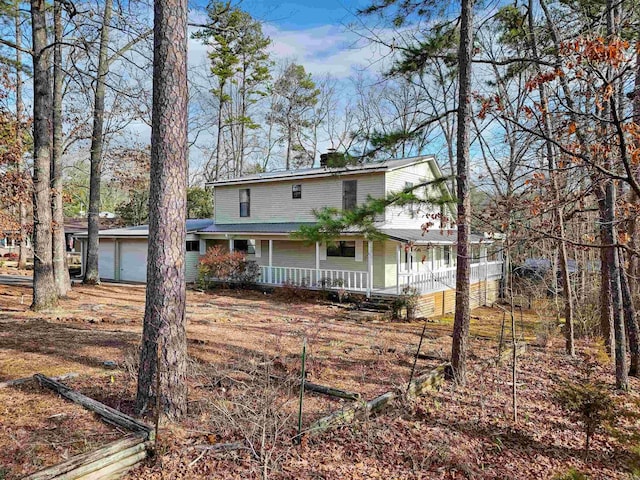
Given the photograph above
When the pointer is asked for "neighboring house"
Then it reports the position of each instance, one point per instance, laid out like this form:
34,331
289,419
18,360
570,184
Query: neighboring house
257,213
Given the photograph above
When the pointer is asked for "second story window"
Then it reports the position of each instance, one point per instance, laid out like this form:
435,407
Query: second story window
245,202
349,194
296,191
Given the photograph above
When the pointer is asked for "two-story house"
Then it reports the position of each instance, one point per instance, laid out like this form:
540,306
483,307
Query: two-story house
256,214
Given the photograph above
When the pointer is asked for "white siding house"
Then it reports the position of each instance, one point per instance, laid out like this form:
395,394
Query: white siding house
258,213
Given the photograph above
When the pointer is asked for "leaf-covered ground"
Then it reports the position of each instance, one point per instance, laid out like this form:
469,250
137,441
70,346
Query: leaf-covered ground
245,351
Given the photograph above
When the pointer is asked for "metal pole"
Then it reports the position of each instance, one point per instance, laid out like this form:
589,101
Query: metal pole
302,379
415,359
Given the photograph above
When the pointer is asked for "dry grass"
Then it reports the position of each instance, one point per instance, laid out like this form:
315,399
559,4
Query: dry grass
237,339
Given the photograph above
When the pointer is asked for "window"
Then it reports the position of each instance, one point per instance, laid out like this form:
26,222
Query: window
408,185
245,202
447,255
296,191
246,246
349,194
193,245
341,249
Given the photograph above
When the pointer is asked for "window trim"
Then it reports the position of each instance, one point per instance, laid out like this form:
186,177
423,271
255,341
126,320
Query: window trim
353,196
251,246
247,213
341,249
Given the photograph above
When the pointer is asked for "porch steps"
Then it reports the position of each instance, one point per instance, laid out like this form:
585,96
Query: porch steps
377,304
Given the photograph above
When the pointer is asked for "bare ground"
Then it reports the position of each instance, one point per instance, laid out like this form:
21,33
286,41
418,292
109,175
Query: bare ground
245,350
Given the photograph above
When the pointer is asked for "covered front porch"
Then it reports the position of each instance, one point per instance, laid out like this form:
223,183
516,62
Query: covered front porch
384,267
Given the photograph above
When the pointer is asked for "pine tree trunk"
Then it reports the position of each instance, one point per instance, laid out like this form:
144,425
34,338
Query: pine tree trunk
22,208
60,265
164,319
92,274
463,287
44,287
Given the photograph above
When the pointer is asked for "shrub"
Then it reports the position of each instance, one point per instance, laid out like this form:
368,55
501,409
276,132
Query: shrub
226,267
409,299
587,402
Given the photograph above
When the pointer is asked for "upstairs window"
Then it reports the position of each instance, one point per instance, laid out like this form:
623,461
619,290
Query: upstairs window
296,191
245,202
349,194
193,245
341,249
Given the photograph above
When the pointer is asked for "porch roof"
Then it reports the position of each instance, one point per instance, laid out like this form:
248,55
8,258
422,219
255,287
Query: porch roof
416,236
421,237
263,228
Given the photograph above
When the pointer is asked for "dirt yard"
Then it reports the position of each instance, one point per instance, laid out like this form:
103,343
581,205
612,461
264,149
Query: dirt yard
245,363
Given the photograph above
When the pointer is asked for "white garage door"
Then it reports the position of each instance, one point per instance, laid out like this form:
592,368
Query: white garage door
106,258
133,261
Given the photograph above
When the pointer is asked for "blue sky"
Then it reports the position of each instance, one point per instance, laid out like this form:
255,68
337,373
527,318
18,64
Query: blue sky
301,14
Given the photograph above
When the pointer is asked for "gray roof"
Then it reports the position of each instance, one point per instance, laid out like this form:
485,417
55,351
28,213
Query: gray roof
403,235
430,236
378,166
193,225
255,227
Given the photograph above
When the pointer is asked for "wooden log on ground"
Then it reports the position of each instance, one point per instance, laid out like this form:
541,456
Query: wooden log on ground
419,386
87,463
107,413
116,469
430,381
337,418
330,391
21,381
347,415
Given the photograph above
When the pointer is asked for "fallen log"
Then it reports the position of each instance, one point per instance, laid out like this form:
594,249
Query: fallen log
430,381
82,465
107,413
422,384
330,391
21,381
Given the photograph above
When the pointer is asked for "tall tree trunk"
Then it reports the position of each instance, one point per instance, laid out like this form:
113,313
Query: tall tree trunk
606,308
613,257
164,318
92,274
631,322
22,208
463,287
60,266
44,287
219,133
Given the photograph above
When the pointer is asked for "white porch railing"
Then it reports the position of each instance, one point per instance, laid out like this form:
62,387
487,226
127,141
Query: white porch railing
315,278
425,281
445,279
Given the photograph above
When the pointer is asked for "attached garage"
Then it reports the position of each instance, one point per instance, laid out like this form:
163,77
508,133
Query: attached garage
123,252
133,260
106,258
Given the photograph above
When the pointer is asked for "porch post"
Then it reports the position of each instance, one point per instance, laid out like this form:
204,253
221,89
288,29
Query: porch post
270,276
82,259
370,267
230,245
485,256
317,262
398,269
